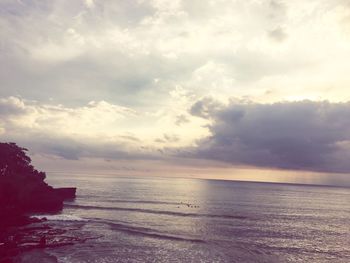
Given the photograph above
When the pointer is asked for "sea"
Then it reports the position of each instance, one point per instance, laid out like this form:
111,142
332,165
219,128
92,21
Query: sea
124,219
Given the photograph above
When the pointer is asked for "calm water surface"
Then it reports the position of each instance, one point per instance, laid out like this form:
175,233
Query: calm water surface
189,220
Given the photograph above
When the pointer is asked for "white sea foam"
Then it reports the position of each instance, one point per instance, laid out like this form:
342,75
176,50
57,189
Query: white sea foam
61,217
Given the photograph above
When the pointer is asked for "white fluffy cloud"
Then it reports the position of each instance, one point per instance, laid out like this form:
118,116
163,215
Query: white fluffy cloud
98,129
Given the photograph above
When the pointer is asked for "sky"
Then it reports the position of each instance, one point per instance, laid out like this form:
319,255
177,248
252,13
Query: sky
223,89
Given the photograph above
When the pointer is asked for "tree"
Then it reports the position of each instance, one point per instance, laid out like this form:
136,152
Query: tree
15,162
22,187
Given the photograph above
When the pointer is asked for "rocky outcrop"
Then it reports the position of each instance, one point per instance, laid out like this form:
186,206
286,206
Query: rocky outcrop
66,193
23,191
33,198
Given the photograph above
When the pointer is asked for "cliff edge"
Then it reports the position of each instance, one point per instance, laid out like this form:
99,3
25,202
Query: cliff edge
23,190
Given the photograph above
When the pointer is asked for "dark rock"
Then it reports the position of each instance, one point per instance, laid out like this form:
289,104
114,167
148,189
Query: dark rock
66,193
36,256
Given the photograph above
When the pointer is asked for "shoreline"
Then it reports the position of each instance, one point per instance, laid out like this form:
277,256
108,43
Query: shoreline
12,242
17,241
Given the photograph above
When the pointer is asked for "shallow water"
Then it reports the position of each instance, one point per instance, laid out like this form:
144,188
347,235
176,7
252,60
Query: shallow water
189,220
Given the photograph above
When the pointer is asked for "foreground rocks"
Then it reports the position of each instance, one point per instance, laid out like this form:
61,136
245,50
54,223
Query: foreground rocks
26,243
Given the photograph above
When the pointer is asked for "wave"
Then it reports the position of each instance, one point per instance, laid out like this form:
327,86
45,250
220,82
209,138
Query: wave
145,202
136,201
61,218
147,232
158,212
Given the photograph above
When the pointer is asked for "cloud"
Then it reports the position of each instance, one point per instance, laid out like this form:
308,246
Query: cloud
98,129
278,34
181,119
168,138
72,133
205,107
90,3
11,106
75,52
303,135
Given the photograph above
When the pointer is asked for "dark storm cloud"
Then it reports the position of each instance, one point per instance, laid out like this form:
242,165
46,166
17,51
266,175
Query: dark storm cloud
289,135
205,107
